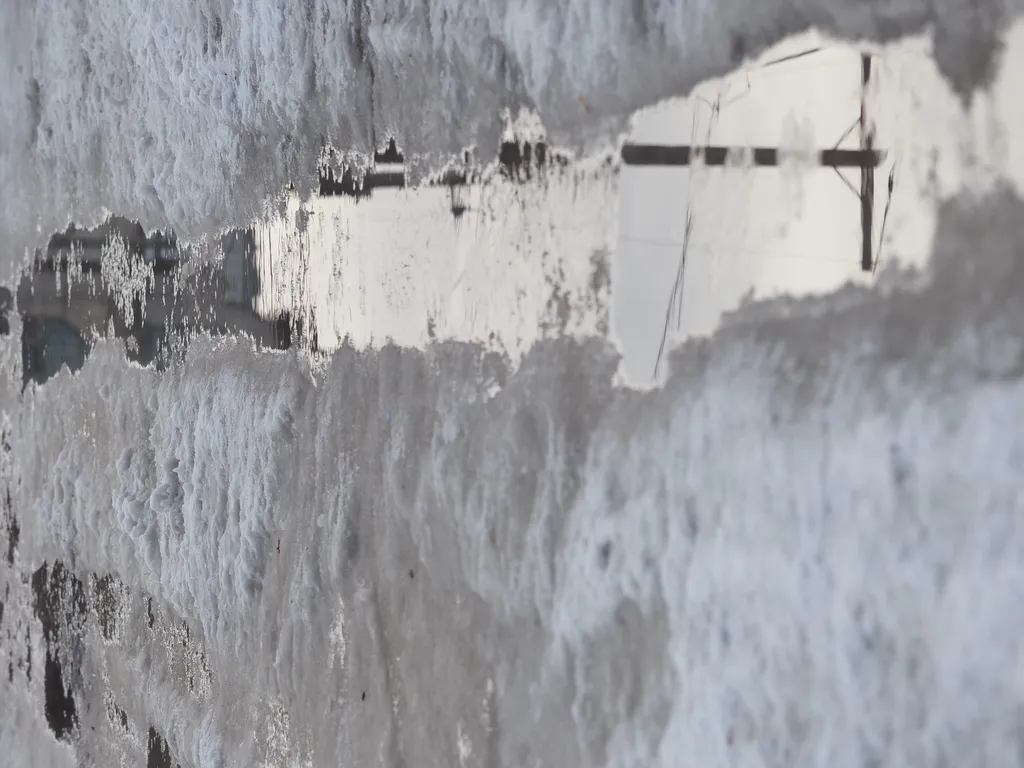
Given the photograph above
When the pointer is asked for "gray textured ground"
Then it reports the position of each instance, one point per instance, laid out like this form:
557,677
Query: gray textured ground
804,550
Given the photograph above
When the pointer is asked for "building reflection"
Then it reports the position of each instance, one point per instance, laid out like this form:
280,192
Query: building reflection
387,172
144,288
118,281
519,162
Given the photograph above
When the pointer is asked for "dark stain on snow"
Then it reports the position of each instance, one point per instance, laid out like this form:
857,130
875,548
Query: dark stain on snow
559,306
61,715
108,604
59,604
13,533
59,600
13,528
28,655
351,540
159,755
118,718
6,304
521,161
604,554
35,104
213,32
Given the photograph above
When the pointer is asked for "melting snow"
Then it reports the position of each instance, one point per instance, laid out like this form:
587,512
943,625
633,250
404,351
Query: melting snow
803,549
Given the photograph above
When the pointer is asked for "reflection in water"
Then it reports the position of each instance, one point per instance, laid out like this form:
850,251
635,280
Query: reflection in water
519,161
48,344
387,172
145,289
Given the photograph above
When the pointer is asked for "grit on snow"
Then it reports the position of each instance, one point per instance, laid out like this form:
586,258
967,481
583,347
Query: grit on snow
192,115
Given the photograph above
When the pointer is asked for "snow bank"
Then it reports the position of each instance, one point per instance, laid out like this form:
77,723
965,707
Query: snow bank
193,115
805,549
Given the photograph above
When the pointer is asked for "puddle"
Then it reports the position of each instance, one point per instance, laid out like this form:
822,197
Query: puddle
504,255
505,260
142,289
522,250
696,243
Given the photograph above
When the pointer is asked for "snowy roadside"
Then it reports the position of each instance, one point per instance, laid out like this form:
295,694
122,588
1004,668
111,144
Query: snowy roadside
805,548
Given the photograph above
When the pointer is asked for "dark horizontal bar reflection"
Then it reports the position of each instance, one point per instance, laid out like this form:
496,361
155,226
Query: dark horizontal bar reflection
684,154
